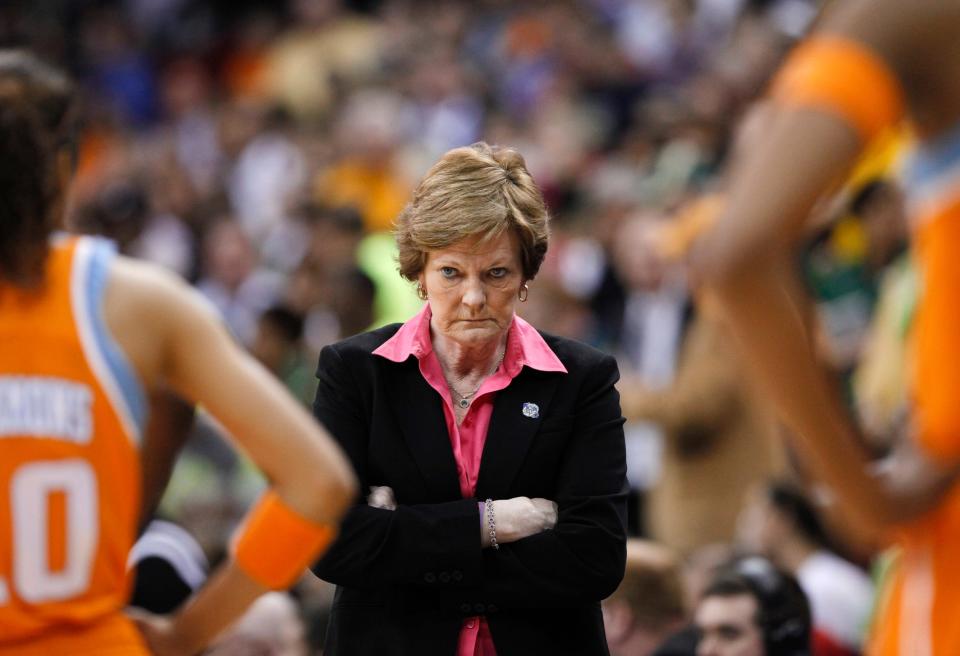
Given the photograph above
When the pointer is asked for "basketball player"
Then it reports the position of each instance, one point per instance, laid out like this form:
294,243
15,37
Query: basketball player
85,336
871,64
170,418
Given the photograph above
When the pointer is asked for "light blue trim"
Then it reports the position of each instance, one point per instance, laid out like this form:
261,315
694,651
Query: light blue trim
102,253
929,161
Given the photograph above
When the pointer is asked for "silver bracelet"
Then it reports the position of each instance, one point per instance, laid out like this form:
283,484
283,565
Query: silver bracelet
491,524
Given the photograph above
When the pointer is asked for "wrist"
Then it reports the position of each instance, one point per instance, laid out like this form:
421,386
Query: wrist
276,544
186,637
491,526
484,538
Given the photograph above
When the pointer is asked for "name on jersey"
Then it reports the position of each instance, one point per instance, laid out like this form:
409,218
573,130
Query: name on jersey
45,407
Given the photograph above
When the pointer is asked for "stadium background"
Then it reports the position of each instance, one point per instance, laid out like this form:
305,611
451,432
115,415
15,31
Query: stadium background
261,149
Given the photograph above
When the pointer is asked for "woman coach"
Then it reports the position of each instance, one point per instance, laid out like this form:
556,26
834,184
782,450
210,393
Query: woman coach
495,454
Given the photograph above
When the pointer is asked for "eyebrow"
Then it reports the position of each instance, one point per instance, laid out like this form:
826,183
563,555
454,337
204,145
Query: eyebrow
450,260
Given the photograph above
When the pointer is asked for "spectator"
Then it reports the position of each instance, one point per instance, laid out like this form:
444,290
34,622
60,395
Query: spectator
648,606
753,609
353,301
656,315
278,345
718,439
232,281
781,523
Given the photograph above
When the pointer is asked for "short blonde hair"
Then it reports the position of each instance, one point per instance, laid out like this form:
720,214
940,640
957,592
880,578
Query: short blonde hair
652,586
477,190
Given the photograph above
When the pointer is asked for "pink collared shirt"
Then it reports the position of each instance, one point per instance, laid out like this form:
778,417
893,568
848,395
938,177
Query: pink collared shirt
525,347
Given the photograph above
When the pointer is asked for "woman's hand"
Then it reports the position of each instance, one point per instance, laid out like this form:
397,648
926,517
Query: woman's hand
518,518
515,518
381,496
159,633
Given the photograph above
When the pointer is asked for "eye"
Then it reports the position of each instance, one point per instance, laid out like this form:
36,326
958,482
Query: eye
498,272
729,633
448,272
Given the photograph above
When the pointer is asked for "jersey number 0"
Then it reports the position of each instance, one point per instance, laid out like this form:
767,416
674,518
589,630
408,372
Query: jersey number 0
31,487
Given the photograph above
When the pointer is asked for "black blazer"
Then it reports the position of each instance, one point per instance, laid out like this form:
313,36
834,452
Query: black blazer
407,578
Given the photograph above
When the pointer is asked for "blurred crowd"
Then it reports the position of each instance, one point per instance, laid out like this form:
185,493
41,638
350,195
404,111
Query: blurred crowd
262,149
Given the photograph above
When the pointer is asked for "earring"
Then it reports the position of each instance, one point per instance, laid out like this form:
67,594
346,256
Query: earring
522,294
421,292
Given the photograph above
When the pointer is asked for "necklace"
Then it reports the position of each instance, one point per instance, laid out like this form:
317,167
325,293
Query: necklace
464,401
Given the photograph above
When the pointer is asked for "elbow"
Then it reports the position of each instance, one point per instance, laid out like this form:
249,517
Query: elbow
608,570
323,492
716,267
607,585
612,576
597,585
729,276
867,526
333,479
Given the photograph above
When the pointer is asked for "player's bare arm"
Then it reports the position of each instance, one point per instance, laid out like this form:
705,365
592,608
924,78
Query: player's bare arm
178,339
744,260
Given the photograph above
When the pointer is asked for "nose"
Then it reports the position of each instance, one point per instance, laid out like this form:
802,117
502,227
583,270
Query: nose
474,295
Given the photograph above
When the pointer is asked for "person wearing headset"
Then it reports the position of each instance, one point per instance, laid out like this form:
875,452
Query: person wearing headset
753,609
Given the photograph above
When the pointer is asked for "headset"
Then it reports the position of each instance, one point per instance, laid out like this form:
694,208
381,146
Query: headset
784,614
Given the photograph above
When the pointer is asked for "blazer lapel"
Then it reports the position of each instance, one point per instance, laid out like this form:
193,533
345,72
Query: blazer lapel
419,412
512,431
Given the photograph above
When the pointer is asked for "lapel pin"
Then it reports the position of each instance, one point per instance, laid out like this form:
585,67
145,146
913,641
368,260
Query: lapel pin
531,410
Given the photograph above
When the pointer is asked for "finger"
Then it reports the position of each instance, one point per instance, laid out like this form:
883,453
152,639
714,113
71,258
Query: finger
379,491
379,503
381,497
376,499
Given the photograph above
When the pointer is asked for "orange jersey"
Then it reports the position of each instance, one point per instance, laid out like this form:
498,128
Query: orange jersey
918,616
71,412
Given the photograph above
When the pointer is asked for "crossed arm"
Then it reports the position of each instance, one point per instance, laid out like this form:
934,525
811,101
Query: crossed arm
579,560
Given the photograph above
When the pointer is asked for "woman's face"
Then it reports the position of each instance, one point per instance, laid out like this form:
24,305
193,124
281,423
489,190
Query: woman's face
472,288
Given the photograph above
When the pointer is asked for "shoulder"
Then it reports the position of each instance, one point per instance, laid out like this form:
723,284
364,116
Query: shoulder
577,356
350,362
152,292
364,344
138,276
153,314
354,356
